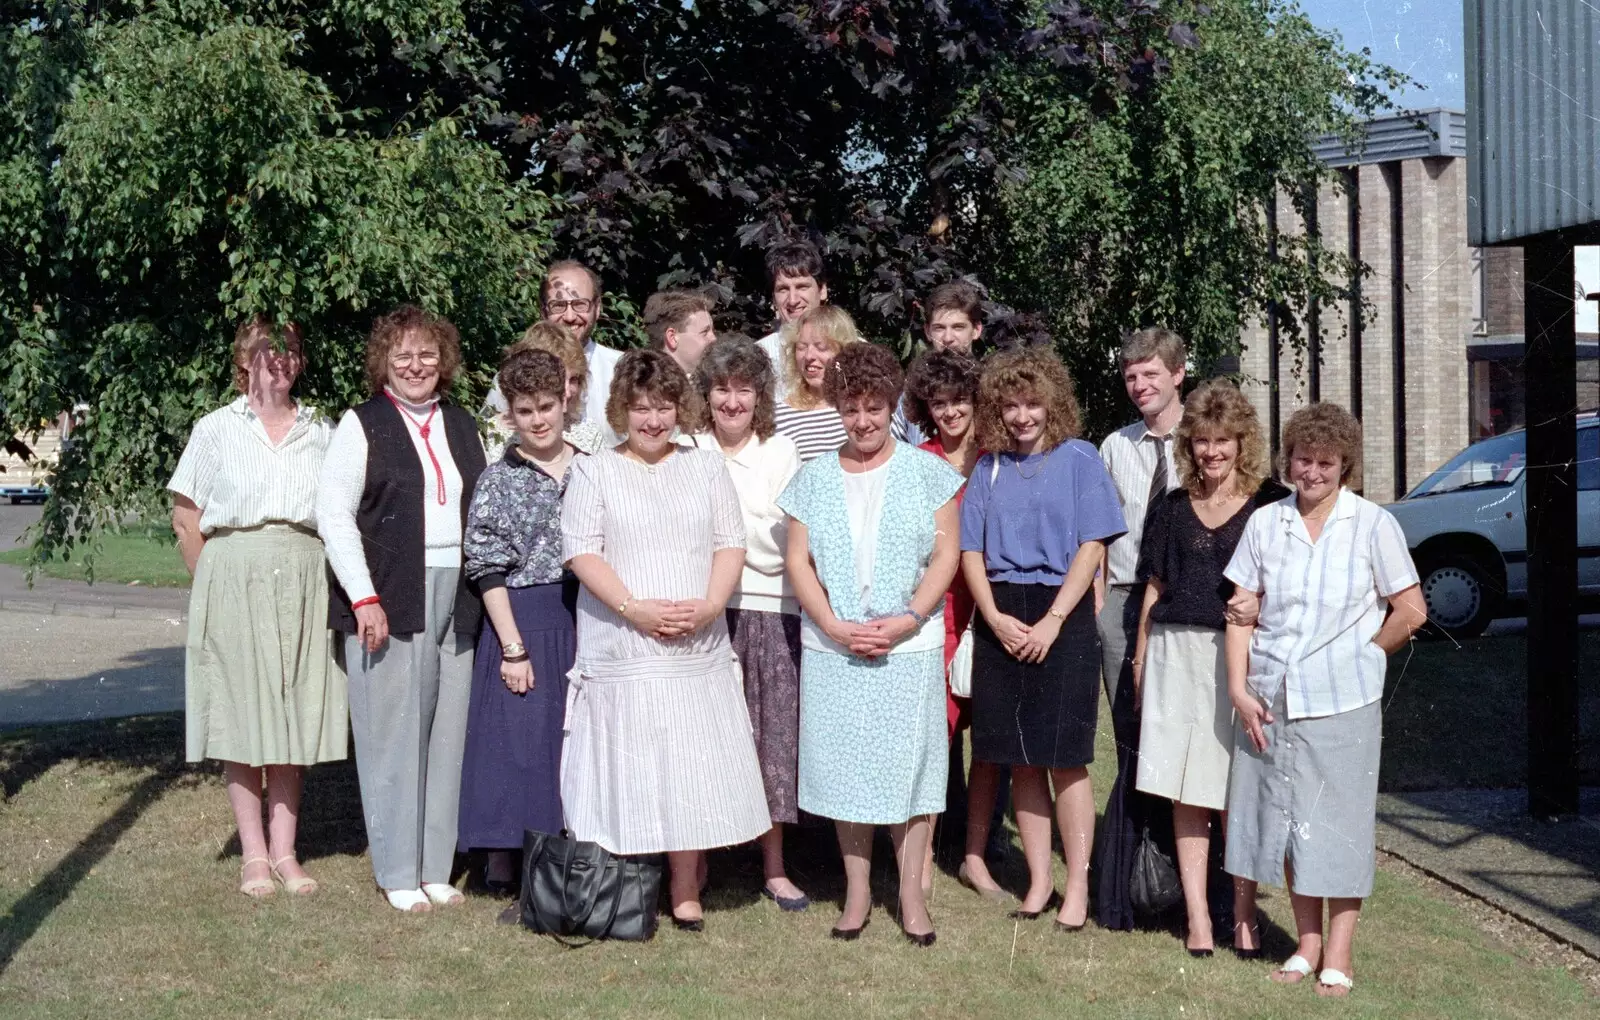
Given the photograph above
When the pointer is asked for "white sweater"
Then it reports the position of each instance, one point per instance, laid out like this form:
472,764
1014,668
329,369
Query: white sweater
761,471
344,478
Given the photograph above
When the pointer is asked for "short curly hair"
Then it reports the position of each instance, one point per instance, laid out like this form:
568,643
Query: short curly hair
737,359
553,337
834,325
244,345
1327,427
860,371
939,374
1026,371
532,373
650,374
389,330
1217,408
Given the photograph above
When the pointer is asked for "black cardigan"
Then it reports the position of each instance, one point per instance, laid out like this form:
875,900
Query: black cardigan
390,519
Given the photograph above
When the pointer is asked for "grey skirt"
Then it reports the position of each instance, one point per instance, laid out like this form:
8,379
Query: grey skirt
261,685
1310,799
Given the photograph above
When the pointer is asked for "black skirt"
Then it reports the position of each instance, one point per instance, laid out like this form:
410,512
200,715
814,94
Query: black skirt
1044,713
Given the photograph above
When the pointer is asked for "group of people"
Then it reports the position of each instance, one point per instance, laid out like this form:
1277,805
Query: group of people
725,582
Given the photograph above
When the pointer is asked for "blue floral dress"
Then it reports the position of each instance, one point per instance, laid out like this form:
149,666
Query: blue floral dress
873,747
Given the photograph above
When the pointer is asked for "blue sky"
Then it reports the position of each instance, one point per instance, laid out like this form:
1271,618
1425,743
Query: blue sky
1420,37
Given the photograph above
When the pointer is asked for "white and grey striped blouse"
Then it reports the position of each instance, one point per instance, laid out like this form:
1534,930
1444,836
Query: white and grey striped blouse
239,479
814,432
657,527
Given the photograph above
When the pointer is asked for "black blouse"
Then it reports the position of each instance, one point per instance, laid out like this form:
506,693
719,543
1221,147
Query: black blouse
1188,558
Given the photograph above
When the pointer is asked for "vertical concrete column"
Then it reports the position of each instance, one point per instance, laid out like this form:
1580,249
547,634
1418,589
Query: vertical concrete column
1438,311
1294,375
1377,333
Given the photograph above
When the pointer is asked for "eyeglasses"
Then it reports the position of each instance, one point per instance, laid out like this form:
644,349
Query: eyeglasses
583,306
427,359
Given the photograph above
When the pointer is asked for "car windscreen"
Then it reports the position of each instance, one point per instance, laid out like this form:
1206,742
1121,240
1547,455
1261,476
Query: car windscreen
1492,462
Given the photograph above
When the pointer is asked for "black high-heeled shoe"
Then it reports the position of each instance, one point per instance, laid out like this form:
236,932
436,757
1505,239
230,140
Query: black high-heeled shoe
1247,954
922,941
849,934
688,924
1062,926
1053,903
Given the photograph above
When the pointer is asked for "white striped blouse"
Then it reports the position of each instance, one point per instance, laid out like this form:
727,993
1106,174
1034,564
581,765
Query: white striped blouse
239,479
1322,602
814,432
657,527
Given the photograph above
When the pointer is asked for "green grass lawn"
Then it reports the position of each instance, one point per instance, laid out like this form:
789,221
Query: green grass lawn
117,899
149,558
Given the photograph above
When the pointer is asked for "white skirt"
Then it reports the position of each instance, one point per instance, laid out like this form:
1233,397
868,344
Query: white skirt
662,758
1186,724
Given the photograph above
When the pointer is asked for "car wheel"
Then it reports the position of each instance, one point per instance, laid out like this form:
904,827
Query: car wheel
1461,595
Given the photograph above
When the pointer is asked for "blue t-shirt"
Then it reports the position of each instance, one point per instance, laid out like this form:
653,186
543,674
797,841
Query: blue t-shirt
1028,515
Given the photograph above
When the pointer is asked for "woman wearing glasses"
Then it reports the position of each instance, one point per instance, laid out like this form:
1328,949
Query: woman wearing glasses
391,507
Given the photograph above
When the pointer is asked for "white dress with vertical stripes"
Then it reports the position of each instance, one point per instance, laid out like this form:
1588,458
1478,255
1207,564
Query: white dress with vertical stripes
658,753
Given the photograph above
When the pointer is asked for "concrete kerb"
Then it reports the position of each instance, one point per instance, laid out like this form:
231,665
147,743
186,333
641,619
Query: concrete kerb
91,610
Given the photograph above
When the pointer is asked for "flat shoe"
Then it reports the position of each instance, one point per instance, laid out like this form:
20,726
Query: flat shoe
408,901
792,904
688,924
442,894
305,885
1053,903
256,888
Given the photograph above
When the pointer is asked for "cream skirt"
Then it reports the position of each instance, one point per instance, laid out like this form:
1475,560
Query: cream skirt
261,684
1186,722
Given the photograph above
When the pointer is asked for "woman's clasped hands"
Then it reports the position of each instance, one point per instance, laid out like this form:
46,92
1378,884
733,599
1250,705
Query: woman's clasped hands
667,618
873,639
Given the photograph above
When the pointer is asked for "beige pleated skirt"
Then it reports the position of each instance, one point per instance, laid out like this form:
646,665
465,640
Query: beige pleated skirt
261,684
1186,721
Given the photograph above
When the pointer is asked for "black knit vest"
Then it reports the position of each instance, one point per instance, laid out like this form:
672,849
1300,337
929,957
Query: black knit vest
390,518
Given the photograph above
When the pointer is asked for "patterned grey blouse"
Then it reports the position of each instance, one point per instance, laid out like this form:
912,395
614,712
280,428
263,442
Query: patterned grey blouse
513,534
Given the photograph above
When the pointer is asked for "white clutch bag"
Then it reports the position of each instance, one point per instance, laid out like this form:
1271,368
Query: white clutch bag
960,673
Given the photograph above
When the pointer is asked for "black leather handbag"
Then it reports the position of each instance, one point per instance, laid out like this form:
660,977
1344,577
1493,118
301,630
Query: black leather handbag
573,889
1153,887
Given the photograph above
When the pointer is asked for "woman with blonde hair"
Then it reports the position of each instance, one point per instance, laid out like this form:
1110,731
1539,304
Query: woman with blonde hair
1180,679
262,690
1037,515
810,343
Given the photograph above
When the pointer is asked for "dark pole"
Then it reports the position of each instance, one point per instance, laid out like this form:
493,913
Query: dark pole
1551,512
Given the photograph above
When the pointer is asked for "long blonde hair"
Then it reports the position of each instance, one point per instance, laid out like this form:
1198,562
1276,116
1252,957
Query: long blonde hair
833,325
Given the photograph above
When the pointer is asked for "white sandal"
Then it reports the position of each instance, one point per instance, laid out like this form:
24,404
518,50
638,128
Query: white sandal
1330,978
409,901
443,894
1296,964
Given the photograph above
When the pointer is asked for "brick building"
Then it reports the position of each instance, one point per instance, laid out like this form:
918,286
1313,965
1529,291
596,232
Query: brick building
1436,361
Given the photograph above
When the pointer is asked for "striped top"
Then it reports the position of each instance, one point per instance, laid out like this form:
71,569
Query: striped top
1322,602
1130,456
814,432
657,526
239,479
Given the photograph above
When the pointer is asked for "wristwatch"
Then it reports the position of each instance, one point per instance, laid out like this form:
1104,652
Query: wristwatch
1058,614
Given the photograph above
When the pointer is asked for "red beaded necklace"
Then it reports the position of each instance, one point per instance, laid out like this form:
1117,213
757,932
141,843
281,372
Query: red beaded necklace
423,428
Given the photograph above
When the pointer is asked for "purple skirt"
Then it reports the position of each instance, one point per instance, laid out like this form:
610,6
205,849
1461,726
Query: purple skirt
511,771
768,647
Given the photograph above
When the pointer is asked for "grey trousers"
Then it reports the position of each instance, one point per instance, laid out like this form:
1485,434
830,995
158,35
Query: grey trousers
408,708
1119,629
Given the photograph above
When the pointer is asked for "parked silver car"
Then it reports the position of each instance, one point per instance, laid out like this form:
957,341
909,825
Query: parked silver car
1465,526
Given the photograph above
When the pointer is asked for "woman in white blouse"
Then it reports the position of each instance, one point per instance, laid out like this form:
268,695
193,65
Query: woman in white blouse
391,508
1338,594
658,756
736,386
262,690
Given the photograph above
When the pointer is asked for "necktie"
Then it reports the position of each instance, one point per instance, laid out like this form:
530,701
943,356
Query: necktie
1158,481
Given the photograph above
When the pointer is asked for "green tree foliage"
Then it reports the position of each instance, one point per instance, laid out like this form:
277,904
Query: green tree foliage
169,167
166,176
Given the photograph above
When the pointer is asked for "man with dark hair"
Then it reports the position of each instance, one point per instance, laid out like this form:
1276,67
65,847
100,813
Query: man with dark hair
679,322
952,320
799,283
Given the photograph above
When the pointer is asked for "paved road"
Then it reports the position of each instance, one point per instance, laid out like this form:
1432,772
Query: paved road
14,520
63,668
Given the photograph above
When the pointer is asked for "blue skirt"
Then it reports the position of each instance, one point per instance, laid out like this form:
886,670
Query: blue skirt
511,772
